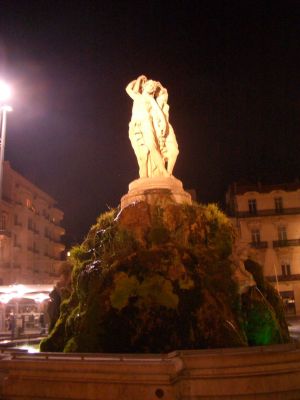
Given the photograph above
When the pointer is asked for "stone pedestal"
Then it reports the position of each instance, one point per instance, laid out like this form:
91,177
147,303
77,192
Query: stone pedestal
152,189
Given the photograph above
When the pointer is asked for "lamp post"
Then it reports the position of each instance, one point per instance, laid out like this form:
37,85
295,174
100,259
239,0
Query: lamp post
5,94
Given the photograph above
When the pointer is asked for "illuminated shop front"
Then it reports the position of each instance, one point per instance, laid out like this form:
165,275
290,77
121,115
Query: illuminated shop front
23,307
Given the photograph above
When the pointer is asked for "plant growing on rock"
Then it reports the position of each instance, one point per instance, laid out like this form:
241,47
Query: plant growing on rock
155,278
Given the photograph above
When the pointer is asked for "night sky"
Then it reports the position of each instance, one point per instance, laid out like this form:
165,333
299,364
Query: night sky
232,69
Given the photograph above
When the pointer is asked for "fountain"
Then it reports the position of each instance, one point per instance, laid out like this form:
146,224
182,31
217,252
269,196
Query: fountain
162,273
164,303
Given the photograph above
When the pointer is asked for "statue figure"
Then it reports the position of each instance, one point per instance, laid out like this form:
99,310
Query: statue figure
151,135
167,139
239,255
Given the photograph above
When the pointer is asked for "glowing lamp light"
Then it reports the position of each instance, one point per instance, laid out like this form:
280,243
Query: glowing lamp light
30,349
38,293
5,298
19,290
40,297
5,91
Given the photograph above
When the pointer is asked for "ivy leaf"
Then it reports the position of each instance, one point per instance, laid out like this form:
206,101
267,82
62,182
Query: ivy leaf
125,287
159,290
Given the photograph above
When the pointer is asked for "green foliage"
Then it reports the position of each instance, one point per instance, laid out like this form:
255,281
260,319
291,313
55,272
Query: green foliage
125,287
152,290
159,291
276,302
272,298
261,324
107,219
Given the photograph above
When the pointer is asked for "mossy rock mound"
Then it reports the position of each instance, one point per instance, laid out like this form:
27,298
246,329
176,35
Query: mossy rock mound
263,311
156,278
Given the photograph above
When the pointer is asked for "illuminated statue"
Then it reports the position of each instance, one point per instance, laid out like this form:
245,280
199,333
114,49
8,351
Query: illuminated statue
151,135
167,139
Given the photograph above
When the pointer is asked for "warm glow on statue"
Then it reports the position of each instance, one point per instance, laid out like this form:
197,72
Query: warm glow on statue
151,135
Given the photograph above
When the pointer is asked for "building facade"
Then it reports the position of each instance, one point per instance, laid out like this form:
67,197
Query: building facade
30,232
267,218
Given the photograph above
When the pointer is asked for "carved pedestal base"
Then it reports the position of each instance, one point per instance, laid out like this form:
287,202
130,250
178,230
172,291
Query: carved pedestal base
153,189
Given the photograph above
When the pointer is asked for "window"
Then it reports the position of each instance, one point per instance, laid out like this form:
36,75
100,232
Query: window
255,235
3,221
252,206
285,269
35,249
17,221
15,241
289,302
278,204
282,235
30,224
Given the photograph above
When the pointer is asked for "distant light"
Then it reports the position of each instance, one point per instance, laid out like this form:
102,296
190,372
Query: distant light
20,290
40,297
5,91
68,253
5,298
30,349
38,293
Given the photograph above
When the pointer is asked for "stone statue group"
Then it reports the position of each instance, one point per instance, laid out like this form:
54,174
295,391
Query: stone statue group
150,132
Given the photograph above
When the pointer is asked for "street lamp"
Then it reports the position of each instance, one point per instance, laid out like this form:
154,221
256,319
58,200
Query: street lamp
5,94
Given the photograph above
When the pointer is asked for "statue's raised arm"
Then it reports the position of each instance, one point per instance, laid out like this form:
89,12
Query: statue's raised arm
135,87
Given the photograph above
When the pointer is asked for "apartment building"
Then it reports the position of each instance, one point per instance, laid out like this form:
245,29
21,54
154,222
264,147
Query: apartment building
268,220
30,232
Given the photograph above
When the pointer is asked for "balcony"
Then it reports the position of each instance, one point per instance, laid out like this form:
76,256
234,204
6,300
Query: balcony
259,245
266,213
284,278
286,243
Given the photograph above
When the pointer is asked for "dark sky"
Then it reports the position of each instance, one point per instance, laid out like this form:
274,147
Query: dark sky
232,69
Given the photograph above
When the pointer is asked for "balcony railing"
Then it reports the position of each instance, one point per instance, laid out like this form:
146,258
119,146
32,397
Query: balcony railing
280,278
259,245
286,243
266,213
